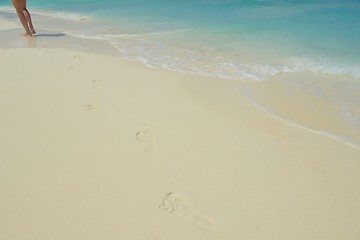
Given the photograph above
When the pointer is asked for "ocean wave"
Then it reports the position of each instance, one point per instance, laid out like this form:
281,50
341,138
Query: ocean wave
52,13
62,15
56,14
323,66
158,53
154,33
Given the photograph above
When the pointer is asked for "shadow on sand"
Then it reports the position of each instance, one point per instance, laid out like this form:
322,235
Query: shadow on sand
32,41
50,35
10,38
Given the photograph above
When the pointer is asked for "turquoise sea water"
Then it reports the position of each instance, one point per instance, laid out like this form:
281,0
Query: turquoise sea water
309,45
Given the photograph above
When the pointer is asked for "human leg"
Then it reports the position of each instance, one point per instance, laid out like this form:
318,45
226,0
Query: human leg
28,19
24,23
20,6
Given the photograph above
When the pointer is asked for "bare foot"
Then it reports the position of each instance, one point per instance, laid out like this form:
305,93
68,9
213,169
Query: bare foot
26,35
32,30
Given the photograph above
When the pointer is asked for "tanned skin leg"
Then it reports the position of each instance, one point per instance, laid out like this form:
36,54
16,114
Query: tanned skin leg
28,19
24,17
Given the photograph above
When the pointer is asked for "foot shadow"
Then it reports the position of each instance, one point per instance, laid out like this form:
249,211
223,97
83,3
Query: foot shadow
32,41
50,35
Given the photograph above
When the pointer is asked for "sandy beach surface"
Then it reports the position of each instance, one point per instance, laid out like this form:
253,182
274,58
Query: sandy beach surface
96,147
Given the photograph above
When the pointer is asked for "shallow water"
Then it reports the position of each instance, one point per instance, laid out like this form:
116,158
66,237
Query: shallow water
309,45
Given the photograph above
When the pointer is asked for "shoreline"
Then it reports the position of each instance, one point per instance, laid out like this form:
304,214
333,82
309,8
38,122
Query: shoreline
302,108
94,146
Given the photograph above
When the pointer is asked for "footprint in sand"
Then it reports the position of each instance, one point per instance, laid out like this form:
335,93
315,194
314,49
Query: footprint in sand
72,68
147,139
89,107
94,83
182,207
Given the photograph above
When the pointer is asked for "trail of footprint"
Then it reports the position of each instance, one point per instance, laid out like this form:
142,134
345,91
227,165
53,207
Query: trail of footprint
72,68
147,139
182,207
89,107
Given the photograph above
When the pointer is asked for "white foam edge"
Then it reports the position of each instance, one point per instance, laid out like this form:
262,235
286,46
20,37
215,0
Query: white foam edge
296,124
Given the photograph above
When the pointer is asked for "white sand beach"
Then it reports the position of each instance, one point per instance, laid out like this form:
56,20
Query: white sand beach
96,147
